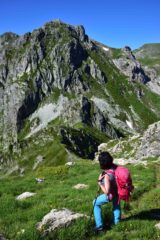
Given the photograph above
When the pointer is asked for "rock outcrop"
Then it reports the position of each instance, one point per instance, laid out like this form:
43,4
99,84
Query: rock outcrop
131,67
79,142
135,149
150,143
149,55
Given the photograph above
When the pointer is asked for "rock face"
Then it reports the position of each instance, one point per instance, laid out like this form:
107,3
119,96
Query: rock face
79,142
31,66
35,64
150,144
149,55
57,219
97,113
58,76
154,84
131,67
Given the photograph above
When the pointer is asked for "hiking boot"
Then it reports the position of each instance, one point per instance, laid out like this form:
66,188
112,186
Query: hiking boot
99,231
107,227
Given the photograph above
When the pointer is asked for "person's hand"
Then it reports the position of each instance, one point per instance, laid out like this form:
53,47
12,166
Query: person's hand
100,178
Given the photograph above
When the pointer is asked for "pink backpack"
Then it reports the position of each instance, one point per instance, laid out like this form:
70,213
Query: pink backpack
123,181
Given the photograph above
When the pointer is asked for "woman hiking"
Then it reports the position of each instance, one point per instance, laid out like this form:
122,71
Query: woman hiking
108,186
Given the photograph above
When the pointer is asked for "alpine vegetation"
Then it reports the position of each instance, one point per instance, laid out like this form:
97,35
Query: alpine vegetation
64,100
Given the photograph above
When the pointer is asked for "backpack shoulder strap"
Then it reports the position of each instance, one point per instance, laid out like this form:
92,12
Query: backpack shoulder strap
110,173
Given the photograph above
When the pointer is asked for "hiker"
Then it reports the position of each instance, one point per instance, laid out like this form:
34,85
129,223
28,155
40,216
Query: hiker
108,186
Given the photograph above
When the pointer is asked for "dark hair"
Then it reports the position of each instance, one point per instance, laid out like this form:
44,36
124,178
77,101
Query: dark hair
105,160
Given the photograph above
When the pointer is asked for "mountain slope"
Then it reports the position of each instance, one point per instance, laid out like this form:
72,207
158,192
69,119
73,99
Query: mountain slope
149,51
149,56
57,86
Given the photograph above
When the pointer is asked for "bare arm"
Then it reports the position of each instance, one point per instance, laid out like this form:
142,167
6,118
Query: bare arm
105,187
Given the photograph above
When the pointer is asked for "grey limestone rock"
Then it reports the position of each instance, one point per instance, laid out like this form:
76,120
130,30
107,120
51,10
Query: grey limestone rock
131,67
33,65
25,195
56,219
150,144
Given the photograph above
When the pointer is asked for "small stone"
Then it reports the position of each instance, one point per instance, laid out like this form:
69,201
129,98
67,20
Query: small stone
69,163
157,226
39,180
25,195
22,231
80,186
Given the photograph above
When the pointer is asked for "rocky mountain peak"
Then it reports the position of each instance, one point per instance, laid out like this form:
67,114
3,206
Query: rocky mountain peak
7,38
59,68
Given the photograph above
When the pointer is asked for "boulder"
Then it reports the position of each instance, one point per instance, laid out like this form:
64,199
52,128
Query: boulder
103,147
57,219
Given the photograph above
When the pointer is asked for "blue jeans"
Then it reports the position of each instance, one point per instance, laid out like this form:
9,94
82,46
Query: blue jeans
102,199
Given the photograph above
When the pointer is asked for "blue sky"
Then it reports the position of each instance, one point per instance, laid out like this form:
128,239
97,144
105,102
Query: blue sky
112,22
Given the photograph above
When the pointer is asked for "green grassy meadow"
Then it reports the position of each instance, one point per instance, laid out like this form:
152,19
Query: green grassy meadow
18,218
